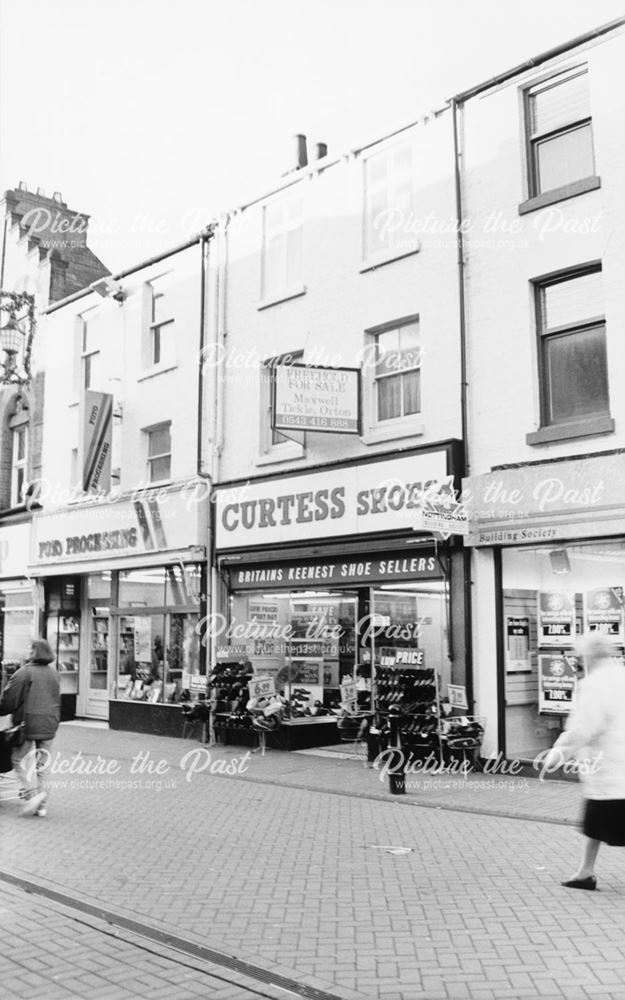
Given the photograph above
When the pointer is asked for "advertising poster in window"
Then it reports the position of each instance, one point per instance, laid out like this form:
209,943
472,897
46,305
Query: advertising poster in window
143,640
262,611
556,618
517,643
556,683
603,612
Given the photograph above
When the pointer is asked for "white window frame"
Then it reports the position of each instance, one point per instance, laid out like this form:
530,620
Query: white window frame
375,430
272,450
401,243
157,291
18,465
165,454
276,289
86,355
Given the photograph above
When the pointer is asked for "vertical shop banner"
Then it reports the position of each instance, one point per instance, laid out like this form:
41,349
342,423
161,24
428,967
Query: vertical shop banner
96,437
557,680
603,611
517,643
556,618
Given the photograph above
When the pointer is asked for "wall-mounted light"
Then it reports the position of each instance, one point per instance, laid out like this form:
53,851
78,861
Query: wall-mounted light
108,288
16,336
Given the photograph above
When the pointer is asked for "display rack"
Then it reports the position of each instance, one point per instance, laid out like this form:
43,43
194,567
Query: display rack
410,694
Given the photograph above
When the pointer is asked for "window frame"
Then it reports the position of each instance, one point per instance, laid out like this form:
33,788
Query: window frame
165,454
271,449
393,427
545,334
280,290
155,326
18,425
533,140
373,257
86,355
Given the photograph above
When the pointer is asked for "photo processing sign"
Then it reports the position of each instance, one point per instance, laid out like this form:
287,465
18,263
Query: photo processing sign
317,399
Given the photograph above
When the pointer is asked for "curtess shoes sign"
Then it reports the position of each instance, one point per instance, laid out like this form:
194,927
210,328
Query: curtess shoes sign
352,500
150,522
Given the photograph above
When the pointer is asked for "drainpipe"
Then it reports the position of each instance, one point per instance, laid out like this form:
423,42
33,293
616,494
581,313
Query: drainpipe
466,554
205,598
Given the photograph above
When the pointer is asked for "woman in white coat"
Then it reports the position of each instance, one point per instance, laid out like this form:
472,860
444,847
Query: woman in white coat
595,735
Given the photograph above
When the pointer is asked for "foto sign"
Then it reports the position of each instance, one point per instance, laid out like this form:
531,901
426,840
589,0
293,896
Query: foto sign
325,400
262,687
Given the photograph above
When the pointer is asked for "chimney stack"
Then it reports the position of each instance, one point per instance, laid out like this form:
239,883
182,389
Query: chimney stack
299,151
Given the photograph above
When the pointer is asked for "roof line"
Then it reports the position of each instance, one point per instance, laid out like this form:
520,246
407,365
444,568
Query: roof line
557,50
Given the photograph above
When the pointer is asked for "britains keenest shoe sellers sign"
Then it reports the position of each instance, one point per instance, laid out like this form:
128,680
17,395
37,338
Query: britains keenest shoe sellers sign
353,500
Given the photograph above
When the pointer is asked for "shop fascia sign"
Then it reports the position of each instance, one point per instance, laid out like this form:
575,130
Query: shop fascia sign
324,400
14,541
147,523
359,499
544,503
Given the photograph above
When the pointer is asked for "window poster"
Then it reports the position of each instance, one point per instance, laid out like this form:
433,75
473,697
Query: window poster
517,643
556,618
262,611
603,612
143,639
557,680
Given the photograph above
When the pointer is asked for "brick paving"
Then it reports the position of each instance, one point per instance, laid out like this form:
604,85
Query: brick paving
296,866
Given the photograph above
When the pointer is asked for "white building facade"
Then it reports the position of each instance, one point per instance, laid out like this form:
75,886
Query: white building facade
542,152
119,548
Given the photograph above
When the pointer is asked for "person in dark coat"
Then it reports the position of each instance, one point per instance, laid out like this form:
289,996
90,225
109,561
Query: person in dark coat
33,696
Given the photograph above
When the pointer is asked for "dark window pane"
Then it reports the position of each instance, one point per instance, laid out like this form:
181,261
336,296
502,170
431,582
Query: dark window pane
160,441
577,374
389,397
160,469
564,158
412,392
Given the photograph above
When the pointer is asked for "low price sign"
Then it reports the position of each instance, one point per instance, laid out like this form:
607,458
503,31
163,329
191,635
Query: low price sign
557,679
262,687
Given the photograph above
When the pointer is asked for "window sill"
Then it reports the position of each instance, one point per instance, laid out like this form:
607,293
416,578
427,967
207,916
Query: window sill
373,263
275,300
375,435
282,453
579,428
157,370
560,194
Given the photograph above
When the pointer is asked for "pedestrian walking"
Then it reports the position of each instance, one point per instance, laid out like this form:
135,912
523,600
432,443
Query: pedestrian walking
595,735
33,696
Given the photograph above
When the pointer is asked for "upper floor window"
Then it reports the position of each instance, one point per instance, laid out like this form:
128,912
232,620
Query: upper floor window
18,443
572,347
390,202
161,322
397,373
90,350
283,238
159,452
559,131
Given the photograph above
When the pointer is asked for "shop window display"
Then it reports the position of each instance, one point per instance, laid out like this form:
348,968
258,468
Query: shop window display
157,635
551,596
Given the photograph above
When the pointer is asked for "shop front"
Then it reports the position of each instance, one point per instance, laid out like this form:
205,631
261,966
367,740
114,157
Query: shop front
548,567
328,585
123,587
17,609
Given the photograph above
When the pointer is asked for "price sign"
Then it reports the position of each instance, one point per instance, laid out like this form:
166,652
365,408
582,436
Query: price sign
348,692
262,687
457,696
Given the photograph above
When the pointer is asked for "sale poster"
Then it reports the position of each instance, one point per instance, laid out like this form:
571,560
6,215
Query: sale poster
517,643
603,611
557,680
556,618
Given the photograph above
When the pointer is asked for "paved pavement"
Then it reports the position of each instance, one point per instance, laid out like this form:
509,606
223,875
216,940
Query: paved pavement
302,871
